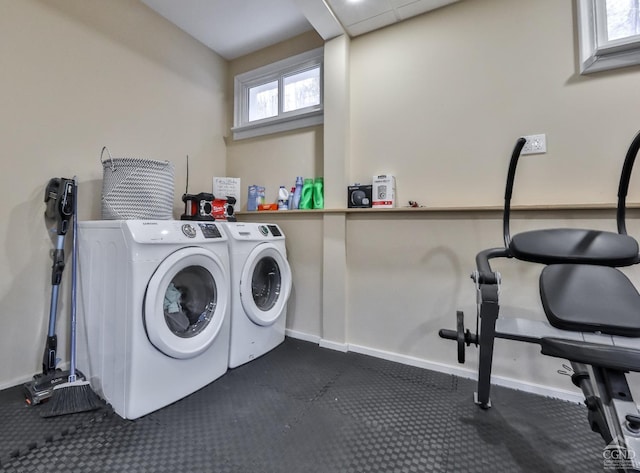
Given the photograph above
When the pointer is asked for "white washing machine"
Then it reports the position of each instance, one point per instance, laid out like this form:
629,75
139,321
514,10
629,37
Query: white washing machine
153,310
260,289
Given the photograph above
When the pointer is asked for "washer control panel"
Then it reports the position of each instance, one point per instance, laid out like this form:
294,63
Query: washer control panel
251,231
210,230
268,230
173,231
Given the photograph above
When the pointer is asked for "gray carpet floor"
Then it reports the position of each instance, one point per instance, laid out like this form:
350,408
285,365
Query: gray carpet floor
305,409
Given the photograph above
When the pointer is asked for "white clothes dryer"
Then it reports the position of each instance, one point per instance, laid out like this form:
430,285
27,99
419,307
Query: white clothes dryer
153,310
260,289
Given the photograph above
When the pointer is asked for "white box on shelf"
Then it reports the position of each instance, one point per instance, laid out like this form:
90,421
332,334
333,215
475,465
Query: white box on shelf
384,191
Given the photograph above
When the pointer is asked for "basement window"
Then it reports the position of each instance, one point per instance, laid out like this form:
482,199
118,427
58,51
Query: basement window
282,96
609,34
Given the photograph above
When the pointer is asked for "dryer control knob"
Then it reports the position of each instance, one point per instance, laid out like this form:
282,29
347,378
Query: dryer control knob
189,230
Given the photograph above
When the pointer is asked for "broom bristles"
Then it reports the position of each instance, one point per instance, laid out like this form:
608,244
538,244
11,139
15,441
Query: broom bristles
71,398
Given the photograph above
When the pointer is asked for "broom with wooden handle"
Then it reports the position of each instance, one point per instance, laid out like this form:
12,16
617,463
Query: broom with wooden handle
75,395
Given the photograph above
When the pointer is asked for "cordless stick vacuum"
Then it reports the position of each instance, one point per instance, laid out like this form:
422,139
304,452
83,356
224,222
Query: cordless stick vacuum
59,197
75,394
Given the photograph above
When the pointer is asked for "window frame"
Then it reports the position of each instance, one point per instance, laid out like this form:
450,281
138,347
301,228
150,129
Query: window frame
595,57
283,121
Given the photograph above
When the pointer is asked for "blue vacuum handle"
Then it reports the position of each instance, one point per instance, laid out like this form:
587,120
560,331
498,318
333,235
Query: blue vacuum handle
74,272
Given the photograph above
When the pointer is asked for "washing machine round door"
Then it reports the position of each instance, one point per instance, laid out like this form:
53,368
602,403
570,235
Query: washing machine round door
186,302
265,284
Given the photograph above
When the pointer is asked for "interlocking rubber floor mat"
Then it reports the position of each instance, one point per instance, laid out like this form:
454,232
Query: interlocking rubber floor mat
23,429
305,409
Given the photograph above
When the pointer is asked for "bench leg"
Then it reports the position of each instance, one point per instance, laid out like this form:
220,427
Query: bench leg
489,309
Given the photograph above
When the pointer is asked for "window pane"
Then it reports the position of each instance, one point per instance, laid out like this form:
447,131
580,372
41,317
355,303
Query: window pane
263,101
302,89
623,19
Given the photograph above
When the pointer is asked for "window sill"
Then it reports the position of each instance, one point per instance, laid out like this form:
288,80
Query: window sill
277,126
605,62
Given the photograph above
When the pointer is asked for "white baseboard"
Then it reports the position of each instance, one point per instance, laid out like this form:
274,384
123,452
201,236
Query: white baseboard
331,345
302,336
557,393
343,347
520,385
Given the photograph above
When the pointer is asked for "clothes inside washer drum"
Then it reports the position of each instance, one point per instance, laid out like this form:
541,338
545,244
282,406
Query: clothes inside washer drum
172,299
178,322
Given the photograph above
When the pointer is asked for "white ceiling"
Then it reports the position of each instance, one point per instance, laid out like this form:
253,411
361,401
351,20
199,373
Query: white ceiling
362,16
233,28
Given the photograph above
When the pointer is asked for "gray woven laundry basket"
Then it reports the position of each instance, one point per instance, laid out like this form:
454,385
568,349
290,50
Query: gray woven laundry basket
136,189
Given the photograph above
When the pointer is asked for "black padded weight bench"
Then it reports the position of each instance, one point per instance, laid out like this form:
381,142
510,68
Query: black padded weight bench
592,311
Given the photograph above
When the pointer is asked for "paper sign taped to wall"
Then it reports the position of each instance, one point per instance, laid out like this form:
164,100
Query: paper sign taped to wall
227,186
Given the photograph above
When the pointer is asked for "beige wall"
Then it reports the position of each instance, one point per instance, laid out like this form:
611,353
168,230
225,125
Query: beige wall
409,274
439,101
77,75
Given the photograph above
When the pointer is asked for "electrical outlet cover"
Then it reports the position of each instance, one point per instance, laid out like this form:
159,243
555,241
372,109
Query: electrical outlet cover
536,144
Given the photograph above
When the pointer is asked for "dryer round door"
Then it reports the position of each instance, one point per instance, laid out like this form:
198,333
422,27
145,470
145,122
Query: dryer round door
186,302
265,284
